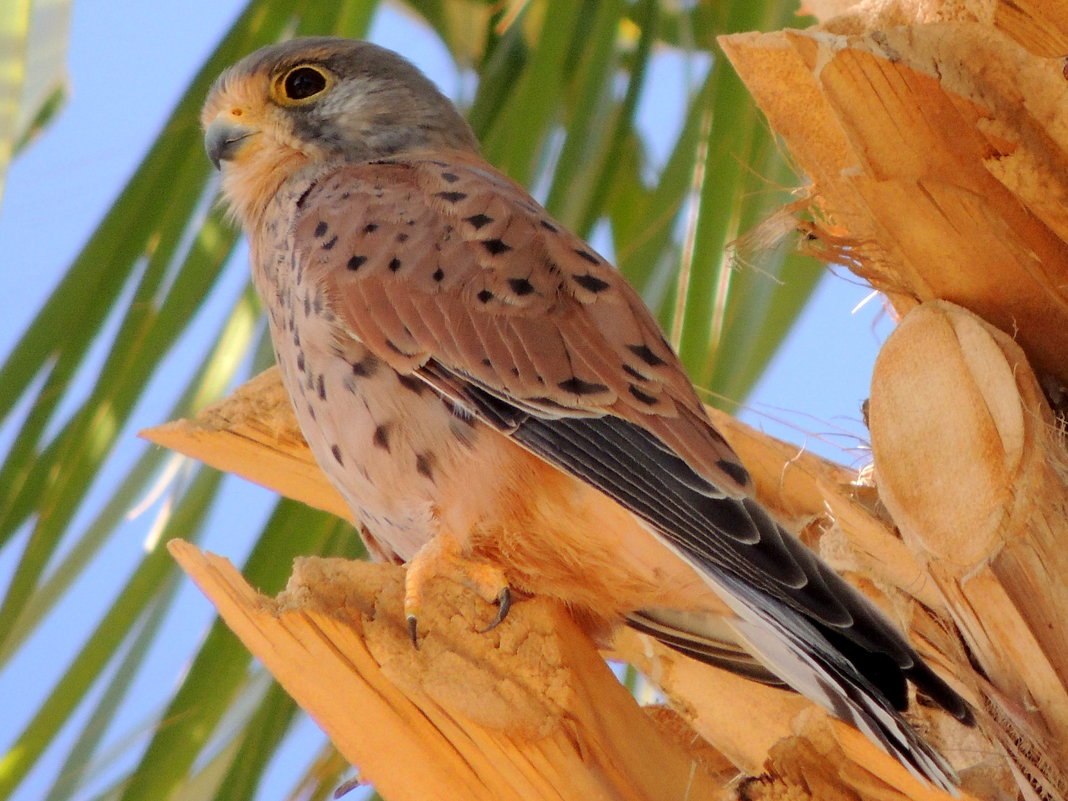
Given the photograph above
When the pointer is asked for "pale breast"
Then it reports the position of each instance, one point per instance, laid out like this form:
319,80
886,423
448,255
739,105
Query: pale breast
385,440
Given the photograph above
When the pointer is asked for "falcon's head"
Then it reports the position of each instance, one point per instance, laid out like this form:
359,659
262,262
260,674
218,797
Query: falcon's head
317,100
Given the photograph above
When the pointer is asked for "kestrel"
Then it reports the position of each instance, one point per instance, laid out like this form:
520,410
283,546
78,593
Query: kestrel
496,403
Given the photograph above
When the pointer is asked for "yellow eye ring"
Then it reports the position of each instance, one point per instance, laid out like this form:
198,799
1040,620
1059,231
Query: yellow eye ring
301,84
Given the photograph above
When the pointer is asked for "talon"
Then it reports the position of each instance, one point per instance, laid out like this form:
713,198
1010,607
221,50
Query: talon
504,605
413,631
443,556
347,787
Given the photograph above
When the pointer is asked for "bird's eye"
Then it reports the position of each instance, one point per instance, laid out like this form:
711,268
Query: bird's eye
302,83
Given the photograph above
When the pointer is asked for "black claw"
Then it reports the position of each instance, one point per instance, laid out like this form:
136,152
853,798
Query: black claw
412,632
347,787
504,605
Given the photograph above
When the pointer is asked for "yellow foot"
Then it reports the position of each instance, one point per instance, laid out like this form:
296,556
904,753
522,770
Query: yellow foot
442,556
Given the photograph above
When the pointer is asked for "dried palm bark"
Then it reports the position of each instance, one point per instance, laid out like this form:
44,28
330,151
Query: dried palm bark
936,142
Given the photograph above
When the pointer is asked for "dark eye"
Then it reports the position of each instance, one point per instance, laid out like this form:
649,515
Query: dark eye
303,82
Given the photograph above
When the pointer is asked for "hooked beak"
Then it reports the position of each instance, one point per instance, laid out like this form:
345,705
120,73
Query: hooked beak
223,138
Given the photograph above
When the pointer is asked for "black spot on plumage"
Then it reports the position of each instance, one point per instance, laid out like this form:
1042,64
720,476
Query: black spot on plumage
585,254
394,264
734,470
381,437
577,386
495,246
320,386
451,197
644,397
438,274
633,373
402,237
521,286
329,244
304,195
321,229
548,226
370,228
479,220
411,383
486,362
300,361
355,262
424,465
334,449
642,352
590,282
365,367
451,177
485,296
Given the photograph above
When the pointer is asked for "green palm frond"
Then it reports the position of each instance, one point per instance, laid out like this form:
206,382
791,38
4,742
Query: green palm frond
33,81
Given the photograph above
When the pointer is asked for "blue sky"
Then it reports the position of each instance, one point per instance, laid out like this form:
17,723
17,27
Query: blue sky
129,62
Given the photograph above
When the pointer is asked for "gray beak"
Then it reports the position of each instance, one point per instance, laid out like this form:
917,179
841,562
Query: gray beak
223,139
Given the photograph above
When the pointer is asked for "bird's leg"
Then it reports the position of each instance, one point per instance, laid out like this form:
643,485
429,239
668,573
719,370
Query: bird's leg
442,555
